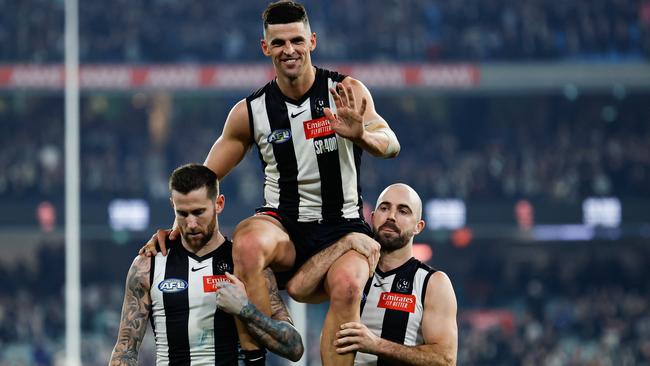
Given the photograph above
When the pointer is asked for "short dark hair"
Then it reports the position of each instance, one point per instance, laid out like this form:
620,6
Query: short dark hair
284,12
190,177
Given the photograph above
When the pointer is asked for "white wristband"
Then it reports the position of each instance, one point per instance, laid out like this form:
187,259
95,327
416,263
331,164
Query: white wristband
393,145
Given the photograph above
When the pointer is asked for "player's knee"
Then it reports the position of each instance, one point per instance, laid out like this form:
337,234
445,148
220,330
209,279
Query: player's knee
345,288
296,292
250,251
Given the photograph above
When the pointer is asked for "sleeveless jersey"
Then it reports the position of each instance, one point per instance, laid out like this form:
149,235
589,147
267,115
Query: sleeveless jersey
392,306
310,172
188,328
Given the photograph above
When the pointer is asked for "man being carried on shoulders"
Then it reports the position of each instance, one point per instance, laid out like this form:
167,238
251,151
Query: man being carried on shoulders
310,126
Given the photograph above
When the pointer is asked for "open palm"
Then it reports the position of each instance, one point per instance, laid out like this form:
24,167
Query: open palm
348,121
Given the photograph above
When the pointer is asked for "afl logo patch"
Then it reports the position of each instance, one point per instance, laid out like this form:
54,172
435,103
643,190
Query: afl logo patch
172,285
279,136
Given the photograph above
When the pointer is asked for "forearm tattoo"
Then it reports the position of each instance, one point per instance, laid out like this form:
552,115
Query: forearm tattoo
275,333
135,313
279,310
279,337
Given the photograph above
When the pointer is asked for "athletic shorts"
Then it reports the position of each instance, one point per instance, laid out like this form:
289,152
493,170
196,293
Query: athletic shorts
311,237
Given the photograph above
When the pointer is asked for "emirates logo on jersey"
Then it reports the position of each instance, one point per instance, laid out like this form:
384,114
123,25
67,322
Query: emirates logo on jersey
394,301
210,282
318,127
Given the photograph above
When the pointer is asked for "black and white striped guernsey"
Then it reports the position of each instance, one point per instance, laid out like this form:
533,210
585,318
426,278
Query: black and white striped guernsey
392,306
188,328
310,172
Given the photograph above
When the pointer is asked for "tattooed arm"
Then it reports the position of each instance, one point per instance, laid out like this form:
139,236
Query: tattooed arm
277,333
135,313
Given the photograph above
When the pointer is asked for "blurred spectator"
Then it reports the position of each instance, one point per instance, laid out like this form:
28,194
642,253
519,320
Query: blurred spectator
379,30
474,148
546,147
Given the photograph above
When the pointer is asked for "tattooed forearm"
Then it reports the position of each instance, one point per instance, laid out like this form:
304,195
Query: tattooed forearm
278,336
124,358
279,310
135,312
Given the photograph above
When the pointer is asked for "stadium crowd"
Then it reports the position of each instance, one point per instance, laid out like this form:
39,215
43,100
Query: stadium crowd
385,30
474,148
584,305
555,304
494,148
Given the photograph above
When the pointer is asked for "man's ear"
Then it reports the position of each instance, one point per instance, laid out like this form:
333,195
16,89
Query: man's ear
219,203
419,227
265,47
312,42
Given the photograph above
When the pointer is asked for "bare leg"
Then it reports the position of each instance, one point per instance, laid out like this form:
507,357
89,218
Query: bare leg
259,242
344,284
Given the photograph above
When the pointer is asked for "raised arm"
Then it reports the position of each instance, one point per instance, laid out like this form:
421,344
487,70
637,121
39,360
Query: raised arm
307,284
135,314
235,140
277,333
357,119
439,330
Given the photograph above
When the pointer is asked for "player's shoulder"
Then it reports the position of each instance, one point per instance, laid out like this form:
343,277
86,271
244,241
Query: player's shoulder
240,106
439,278
139,272
439,287
356,85
239,114
139,260
143,263
350,81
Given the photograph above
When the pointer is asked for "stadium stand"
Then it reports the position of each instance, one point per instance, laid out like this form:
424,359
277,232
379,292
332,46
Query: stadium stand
430,30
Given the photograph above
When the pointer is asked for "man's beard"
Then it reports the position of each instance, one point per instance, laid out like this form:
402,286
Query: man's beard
206,235
392,241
